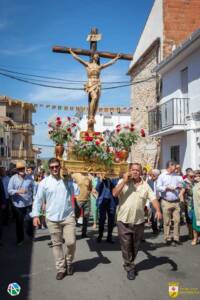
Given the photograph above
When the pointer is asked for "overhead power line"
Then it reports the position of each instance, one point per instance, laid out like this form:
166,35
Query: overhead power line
31,81
56,78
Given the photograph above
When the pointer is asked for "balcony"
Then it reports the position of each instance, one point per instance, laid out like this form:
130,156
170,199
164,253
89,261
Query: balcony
169,117
22,154
23,127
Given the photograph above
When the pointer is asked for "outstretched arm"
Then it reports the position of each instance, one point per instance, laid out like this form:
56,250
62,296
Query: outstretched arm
78,58
112,61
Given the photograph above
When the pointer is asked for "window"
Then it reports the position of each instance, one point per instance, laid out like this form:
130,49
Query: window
107,121
175,154
184,81
2,151
1,140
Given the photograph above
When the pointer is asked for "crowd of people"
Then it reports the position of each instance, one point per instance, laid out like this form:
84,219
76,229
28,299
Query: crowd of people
161,199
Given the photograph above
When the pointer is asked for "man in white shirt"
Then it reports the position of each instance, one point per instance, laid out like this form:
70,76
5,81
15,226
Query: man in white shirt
57,193
169,184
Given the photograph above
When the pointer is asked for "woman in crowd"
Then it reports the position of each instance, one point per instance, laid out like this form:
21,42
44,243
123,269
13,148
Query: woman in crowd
196,209
93,200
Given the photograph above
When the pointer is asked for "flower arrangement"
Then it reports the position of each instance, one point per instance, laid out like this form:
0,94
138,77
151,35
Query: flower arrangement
124,136
62,130
93,148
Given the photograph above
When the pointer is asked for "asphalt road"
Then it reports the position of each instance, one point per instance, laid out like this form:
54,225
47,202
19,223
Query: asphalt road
98,270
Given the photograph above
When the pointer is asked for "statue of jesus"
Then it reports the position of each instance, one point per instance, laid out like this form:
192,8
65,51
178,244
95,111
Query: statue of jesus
93,86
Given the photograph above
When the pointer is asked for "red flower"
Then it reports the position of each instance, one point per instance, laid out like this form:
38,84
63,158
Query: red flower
142,132
86,133
132,129
58,122
69,130
89,139
58,119
73,124
132,125
97,142
118,130
118,126
96,133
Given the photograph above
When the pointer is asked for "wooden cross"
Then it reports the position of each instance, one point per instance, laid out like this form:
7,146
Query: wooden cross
93,38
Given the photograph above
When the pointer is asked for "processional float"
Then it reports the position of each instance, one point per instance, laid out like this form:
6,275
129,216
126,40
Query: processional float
95,152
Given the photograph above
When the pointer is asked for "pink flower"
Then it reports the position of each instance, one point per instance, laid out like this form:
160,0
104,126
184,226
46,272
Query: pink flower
118,126
58,119
142,132
73,124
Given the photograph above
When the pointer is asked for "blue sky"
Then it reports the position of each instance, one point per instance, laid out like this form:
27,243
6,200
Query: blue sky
29,29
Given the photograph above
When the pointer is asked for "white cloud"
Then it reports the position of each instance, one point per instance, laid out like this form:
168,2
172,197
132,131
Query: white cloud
55,96
21,50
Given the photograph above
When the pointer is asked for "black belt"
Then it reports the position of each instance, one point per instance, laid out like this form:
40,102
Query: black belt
173,201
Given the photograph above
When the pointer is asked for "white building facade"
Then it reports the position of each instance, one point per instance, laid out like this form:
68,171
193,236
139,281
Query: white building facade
106,121
176,118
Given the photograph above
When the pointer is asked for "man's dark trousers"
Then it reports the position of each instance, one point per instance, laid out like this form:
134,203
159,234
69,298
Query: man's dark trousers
130,236
106,208
22,218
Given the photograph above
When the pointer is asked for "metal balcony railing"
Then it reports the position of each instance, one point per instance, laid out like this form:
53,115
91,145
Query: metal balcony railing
22,154
169,114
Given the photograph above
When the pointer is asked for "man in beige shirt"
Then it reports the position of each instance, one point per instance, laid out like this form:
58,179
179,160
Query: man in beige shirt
82,201
133,194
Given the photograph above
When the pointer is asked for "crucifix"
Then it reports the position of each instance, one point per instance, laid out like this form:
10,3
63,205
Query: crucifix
93,68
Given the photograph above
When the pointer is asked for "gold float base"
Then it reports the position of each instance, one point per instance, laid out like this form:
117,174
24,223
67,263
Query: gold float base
79,166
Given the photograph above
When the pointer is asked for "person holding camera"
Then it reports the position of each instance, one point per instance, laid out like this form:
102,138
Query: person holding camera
133,193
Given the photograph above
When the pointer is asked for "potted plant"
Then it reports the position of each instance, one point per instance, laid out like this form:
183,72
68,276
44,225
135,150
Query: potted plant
62,130
122,138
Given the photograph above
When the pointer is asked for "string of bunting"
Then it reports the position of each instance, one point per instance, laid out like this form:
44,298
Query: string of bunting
85,108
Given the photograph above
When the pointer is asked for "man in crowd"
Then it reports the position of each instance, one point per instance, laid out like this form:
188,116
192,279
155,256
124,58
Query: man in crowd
57,193
20,187
5,180
169,184
82,201
133,193
30,171
106,204
2,207
153,185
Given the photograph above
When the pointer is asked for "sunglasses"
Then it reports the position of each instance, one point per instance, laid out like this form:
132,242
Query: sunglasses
54,167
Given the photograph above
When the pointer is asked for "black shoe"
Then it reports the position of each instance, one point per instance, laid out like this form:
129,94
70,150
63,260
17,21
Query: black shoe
143,241
110,240
177,243
70,270
131,274
60,275
84,235
50,244
99,239
168,243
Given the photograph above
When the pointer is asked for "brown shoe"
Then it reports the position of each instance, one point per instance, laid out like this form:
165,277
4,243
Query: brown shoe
60,275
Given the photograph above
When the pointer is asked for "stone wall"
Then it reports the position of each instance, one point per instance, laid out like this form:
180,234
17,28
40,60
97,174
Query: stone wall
143,97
